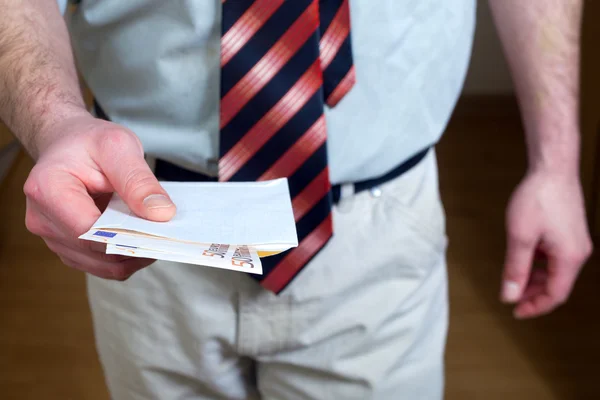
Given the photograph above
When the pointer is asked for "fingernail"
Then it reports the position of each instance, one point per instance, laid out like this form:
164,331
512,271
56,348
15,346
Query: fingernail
157,201
510,291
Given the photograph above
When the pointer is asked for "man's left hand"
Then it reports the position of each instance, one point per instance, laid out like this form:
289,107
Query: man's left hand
545,219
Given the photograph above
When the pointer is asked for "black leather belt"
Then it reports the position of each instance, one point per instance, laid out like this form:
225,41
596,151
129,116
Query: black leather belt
167,171
372,183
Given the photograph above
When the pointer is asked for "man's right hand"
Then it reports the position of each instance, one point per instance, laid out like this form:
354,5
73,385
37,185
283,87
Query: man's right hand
83,160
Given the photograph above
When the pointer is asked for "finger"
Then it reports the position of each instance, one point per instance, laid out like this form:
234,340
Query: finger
121,159
536,306
96,247
62,199
118,273
536,284
561,276
38,224
517,267
67,248
532,292
118,269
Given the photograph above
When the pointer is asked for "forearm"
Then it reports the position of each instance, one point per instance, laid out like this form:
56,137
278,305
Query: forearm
541,40
39,86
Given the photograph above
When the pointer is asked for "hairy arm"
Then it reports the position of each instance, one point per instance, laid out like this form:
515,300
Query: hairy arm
546,214
541,43
39,86
80,160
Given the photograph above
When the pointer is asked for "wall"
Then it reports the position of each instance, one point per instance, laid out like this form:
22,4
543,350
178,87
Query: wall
488,73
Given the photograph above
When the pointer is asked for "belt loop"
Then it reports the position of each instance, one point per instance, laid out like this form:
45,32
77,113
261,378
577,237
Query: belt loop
346,191
345,202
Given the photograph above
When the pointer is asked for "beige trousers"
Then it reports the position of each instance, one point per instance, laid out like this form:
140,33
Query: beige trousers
366,319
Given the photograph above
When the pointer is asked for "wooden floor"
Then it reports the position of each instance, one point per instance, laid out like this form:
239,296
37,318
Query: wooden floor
47,348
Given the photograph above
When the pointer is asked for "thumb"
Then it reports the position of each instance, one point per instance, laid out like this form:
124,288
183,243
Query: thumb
517,268
121,159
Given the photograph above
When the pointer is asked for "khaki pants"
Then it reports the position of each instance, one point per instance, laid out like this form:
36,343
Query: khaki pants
366,319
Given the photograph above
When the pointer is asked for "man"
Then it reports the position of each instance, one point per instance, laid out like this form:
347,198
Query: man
235,90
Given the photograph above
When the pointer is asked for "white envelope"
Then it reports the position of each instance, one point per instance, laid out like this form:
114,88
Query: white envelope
256,214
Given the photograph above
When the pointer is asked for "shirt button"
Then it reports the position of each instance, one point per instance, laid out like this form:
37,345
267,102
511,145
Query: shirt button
376,192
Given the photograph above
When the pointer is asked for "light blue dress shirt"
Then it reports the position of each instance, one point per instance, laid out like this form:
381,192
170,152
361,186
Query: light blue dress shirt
153,65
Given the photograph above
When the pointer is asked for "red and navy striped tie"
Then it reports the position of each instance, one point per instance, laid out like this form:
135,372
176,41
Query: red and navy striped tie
281,62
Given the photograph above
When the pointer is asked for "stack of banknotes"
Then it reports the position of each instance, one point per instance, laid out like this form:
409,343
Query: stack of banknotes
228,225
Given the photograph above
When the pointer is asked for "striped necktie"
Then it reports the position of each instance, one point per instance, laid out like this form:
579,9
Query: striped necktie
281,62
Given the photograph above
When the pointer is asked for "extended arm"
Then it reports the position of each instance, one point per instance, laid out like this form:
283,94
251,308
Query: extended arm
79,159
38,81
